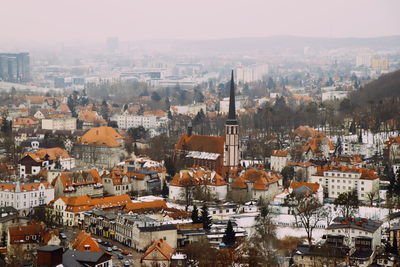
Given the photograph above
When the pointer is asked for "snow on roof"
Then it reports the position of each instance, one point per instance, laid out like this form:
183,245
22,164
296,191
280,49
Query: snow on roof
202,155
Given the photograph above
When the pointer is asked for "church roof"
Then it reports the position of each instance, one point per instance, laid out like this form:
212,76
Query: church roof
232,109
202,143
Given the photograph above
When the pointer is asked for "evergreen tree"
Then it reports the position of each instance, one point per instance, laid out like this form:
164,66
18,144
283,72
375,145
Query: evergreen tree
229,237
165,189
155,96
195,215
205,218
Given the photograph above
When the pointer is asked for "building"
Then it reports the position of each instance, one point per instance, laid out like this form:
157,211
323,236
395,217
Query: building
311,256
15,67
32,163
25,123
380,64
90,119
63,123
83,241
78,183
255,184
9,217
318,147
334,95
392,150
69,211
203,183
338,179
248,74
190,110
240,102
147,122
279,159
28,238
24,197
159,253
102,147
363,60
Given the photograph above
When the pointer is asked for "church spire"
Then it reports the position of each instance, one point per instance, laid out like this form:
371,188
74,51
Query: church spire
232,110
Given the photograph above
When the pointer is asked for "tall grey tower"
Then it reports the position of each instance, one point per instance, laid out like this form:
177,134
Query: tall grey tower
231,152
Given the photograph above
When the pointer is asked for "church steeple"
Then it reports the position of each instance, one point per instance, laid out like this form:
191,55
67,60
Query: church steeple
231,152
232,109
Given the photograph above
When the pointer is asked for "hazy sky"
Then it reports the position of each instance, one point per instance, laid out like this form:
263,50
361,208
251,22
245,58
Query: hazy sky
94,20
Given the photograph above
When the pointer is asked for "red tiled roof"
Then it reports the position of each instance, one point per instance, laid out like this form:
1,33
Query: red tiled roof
101,136
313,186
84,242
162,246
197,176
365,173
136,206
204,143
31,233
279,153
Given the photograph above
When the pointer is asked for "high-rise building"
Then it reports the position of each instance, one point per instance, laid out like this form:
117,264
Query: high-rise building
380,64
363,60
14,67
251,73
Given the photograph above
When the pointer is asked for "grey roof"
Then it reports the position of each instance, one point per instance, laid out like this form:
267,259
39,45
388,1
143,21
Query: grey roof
158,228
8,209
50,248
321,251
396,227
77,258
356,223
361,254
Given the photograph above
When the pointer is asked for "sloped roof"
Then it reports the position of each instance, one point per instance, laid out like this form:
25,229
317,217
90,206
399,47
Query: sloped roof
83,240
70,180
204,143
279,153
53,153
260,179
158,113
101,136
314,144
197,176
312,186
23,187
90,116
84,203
25,121
18,233
135,206
306,132
162,246
365,173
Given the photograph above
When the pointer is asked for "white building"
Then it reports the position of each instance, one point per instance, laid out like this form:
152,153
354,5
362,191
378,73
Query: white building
279,159
59,124
147,122
334,95
337,180
25,196
364,60
191,109
247,74
239,104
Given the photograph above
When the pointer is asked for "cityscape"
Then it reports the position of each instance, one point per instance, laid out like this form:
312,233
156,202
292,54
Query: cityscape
200,134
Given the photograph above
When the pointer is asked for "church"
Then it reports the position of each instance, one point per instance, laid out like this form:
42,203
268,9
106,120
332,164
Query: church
218,153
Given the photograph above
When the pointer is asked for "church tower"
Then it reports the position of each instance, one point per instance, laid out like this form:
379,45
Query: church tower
231,149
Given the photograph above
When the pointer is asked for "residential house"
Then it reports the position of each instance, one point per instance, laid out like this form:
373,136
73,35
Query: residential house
208,182
159,253
83,241
392,150
279,159
338,179
32,163
102,147
318,147
51,255
78,183
59,123
317,255
256,184
90,119
9,217
301,188
27,238
25,123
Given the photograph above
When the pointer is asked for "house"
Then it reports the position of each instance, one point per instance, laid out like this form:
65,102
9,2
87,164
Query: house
143,236
69,211
338,179
51,255
279,159
102,147
317,147
90,119
27,238
394,235
32,163
256,184
206,180
158,253
359,233
78,183
83,241
301,188
116,183
392,150
25,123
303,133
25,196
9,217
317,255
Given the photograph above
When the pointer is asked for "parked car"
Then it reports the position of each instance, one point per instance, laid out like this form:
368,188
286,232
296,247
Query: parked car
63,236
109,249
107,244
120,257
126,263
125,252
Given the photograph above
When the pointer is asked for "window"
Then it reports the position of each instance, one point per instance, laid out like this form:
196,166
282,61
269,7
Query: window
362,188
362,182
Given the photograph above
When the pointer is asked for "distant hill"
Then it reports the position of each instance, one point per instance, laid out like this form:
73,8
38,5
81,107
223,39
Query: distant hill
387,86
295,43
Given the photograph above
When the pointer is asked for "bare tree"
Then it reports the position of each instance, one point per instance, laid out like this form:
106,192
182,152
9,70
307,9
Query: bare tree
308,211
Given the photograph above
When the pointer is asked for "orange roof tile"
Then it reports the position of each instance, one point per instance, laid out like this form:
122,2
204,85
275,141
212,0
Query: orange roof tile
158,113
365,173
197,176
204,143
135,206
279,153
313,186
18,234
159,245
101,136
306,132
84,242
84,203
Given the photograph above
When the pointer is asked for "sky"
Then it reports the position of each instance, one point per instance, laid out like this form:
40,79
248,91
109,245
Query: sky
95,20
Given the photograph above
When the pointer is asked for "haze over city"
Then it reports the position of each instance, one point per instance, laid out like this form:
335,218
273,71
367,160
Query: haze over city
181,133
